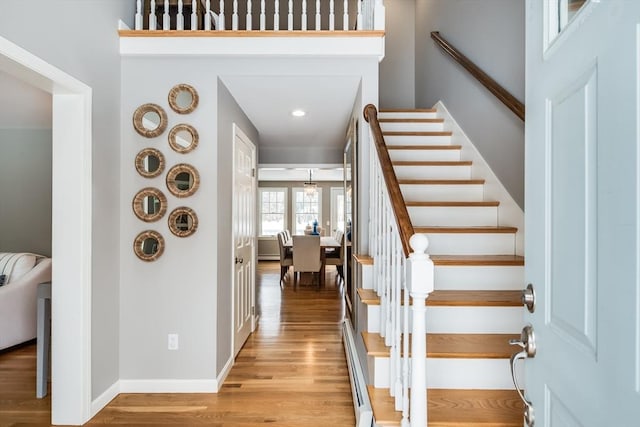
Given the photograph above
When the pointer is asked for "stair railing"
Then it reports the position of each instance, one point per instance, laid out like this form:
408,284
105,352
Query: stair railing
401,267
209,15
494,87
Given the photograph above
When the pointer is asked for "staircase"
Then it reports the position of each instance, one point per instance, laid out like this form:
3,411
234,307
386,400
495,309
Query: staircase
475,308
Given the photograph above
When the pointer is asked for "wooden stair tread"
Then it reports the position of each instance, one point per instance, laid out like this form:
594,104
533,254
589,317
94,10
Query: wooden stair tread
411,120
363,259
455,298
466,230
452,346
488,203
440,181
432,163
424,147
477,260
455,408
417,133
409,110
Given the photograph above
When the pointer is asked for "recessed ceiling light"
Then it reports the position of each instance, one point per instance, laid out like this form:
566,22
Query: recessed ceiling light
298,113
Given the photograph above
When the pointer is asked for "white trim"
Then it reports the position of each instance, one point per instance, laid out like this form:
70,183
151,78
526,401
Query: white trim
103,400
509,213
223,374
71,230
269,258
169,386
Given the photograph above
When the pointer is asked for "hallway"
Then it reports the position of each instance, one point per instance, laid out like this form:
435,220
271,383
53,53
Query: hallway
291,372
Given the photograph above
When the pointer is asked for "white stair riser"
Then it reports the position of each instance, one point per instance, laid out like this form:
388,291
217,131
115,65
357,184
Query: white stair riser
479,277
412,126
443,192
433,172
424,155
459,216
417,140
471,243
407,115
459,320
367,276
483,374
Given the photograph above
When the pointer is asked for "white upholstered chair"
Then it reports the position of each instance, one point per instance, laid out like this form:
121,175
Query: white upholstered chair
306,257
286,258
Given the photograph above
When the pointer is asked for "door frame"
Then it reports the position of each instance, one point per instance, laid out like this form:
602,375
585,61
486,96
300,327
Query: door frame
238,133
71,217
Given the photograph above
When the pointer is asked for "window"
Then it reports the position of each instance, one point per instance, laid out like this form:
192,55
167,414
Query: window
306,209
337,209
273,202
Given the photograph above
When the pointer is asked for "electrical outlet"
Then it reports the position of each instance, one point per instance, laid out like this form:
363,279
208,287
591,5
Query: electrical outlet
172,341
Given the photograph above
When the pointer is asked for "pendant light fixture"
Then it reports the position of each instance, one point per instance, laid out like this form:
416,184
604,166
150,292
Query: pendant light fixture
310,187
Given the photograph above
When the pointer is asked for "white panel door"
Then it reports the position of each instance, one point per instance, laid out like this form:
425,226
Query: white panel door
244,197
582,247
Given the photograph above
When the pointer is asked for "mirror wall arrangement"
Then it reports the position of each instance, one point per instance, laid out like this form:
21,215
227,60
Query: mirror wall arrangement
150,204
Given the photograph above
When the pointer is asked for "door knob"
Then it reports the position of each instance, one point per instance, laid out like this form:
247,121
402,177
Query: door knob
529,298
527,342
239,260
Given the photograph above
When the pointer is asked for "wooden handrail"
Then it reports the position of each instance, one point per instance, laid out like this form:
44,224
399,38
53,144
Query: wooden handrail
400,212
494,87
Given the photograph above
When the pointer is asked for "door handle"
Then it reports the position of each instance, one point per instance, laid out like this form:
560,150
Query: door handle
528,298
527,342
239,260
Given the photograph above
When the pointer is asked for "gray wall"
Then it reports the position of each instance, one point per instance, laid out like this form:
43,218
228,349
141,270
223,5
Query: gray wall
80,38
490,33
397,69
25,190
269,246
229,112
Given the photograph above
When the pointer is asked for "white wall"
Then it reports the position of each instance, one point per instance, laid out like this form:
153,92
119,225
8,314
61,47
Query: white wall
80,38
25,190
490,33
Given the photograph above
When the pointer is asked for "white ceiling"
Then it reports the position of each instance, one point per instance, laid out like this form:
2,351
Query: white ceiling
23,105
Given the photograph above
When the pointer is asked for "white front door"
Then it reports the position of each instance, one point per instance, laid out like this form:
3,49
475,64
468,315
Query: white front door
582,211
244,196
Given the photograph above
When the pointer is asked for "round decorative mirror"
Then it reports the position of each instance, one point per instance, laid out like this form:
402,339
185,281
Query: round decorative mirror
183,138
183,221
148,245
150,120
149,204
183,180
183,98
150,162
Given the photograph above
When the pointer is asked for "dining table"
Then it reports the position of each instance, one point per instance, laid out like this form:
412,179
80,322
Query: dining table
326,242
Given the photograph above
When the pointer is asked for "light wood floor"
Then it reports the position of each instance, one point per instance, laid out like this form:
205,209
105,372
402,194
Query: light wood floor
291,372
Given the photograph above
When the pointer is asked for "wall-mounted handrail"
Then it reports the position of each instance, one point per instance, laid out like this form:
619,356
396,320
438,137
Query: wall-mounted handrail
401,214
494,87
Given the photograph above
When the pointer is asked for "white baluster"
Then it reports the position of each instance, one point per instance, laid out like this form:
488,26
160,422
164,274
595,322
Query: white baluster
194,15
180,17
379,16
290,16
420,278
318,17
359,23
276,16
249,19
263,16
405,352
207,15
153,22
234,16
221,19
397,321
332,16
345,16
166,18
303,17
138,15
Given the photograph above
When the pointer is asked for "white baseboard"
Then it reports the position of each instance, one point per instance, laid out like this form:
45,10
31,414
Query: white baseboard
103,400
225,371
268,257
168,386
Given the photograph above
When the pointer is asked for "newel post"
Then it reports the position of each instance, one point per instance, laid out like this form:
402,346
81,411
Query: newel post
420,282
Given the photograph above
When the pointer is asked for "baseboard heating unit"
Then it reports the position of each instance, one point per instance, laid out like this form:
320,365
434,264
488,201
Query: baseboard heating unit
361,403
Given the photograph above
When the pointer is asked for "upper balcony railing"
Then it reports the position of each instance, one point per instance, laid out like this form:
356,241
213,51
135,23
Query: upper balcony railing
271,16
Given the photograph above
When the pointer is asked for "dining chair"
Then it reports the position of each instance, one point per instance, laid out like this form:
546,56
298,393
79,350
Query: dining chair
336,257
306,257
286,258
